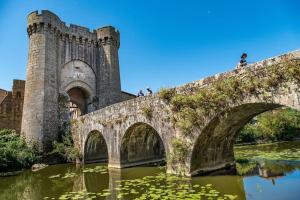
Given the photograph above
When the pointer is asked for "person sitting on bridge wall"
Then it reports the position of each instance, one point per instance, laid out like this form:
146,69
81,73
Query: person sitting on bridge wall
149,92
140,94
242,62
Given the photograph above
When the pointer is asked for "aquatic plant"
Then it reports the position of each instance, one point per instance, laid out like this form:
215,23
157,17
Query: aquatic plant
256,154
261,152
160,186
98,169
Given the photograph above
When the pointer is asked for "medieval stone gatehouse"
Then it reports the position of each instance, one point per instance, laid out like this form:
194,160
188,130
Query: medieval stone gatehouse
67,61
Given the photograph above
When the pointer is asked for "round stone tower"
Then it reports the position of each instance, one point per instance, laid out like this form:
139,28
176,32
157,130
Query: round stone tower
39,121
109,87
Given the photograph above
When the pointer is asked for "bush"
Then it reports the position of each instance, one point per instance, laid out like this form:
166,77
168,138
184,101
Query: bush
15,154
166,94
248,134
65,147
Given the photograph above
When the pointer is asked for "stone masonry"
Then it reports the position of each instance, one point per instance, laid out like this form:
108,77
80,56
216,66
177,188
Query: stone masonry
11,106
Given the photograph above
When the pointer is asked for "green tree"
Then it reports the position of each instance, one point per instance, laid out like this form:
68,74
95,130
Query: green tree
276,125
15,154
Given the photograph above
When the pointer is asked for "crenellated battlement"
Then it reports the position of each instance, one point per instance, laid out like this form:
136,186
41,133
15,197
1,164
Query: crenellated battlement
108,35
44,16
46,21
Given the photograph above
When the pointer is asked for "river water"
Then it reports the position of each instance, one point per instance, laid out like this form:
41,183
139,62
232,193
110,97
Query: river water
264,172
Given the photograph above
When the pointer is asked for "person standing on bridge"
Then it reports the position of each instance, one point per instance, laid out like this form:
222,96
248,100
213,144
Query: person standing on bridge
243,62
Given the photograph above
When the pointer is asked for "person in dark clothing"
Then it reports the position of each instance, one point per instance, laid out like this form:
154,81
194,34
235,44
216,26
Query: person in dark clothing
140,94
149,92
243,61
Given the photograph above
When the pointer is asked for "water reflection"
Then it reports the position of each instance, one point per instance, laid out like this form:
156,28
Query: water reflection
38,185
266,179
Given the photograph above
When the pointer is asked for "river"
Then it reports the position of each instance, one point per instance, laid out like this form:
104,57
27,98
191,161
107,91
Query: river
264,172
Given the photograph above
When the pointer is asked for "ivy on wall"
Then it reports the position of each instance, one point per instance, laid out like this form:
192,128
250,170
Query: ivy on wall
193,106
147,112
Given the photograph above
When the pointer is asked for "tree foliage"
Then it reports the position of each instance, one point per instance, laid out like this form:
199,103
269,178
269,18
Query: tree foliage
276,125
15,154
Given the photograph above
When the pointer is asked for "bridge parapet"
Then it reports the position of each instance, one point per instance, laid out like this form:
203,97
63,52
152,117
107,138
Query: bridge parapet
131,106
260,65
202,83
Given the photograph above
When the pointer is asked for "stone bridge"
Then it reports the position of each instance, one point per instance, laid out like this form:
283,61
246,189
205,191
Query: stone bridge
191,127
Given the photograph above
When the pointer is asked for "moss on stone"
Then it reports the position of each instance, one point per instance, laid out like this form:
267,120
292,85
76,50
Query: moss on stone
147,112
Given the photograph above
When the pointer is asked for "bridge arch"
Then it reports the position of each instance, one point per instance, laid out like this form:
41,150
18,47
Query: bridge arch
141,144
95,148
213,148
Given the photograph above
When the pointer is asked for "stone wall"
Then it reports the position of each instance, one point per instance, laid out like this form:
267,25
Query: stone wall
3,94
126,96
11,105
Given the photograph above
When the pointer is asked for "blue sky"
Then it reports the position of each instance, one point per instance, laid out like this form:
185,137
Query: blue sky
163,43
